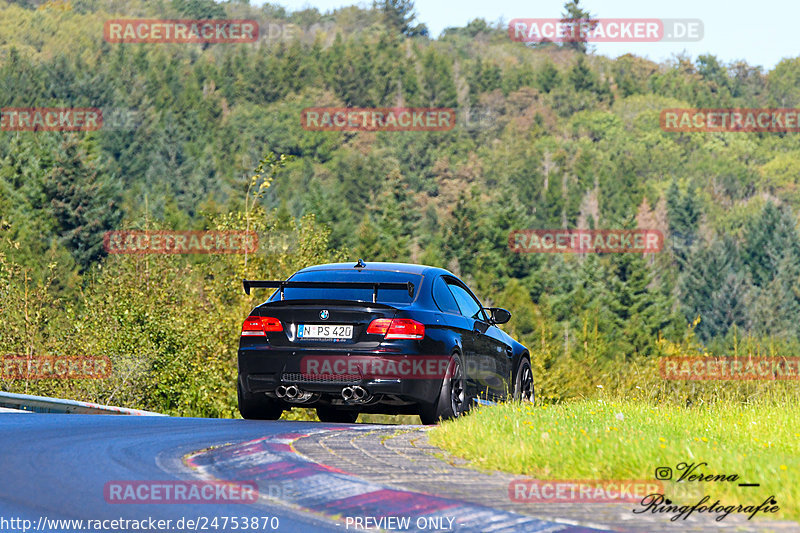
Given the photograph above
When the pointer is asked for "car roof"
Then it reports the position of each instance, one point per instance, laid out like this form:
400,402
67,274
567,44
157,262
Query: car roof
379,266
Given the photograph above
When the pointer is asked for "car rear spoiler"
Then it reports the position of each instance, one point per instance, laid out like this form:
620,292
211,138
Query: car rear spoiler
260,284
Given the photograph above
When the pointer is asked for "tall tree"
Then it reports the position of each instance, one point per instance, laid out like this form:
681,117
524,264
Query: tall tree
82,200
717,287
574,13
400,15
439,89
684,212
397,218
199,9
582,77
769,238
548,77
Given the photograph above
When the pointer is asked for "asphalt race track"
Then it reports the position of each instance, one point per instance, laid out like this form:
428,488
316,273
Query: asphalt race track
57,466
309,477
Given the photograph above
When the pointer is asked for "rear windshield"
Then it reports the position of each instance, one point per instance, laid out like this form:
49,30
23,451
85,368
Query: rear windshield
387,296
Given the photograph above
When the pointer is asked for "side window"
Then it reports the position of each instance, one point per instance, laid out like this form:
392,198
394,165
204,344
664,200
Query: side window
444,298
470,308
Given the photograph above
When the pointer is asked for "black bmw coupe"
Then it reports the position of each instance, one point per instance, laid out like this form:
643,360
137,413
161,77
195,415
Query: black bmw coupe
390,338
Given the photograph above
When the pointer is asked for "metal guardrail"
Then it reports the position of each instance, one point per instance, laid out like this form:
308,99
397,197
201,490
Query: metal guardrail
42,404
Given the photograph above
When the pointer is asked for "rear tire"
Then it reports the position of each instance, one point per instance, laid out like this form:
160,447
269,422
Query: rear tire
257,406
523,383
451,402
338,416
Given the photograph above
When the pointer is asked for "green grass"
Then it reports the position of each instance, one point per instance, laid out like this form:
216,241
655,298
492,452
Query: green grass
628,440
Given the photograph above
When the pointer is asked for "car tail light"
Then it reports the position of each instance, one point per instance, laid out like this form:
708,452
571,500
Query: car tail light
271,324
405,328
397,328
379,326
260,325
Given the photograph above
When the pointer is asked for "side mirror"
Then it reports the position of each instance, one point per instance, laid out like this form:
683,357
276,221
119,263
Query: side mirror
500,315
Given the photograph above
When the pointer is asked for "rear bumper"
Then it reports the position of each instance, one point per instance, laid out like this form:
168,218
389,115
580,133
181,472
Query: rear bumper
263,371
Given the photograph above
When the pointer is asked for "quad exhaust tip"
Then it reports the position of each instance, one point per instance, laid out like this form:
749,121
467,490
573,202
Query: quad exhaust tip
349,394
292,393
354,394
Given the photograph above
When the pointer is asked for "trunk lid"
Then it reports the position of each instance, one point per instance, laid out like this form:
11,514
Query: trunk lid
300,320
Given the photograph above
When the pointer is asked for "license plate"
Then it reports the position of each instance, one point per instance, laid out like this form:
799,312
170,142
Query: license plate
324,331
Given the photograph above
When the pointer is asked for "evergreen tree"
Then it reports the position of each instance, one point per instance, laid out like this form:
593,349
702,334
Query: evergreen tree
394,77
641,312
770,238
464,233
21,81
368,246
349,74
83,202
776,305
397,218
717,287
199,9
24,213
548,78
573,12
399,14
581,76
683,211
438,86
483,78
